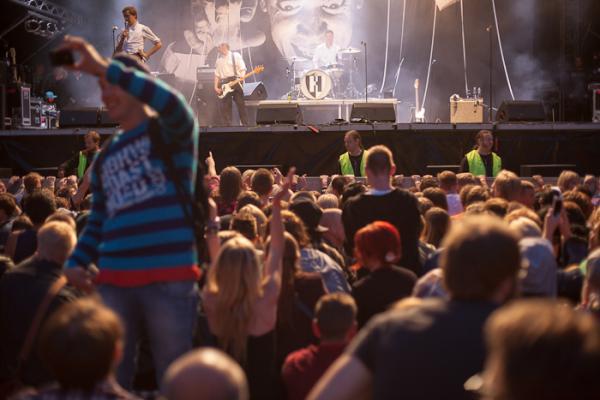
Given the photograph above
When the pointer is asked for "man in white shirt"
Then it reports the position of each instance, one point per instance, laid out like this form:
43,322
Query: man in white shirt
229,67
132,38
326,53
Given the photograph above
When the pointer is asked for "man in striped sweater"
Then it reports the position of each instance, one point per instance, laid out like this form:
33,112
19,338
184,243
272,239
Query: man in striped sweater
137,233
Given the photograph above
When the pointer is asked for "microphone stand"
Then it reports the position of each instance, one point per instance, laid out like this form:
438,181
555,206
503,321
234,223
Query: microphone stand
114,43
366,74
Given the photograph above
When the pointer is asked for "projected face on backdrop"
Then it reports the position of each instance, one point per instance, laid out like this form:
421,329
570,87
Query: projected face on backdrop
218,21
299,26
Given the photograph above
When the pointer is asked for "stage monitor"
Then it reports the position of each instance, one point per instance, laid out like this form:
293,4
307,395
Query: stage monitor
271,114
373,112
255,91
521,111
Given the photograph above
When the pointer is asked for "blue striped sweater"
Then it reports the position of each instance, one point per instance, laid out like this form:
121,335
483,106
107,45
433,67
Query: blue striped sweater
137,233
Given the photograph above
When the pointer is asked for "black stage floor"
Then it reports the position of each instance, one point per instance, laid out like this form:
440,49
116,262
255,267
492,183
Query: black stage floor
417,148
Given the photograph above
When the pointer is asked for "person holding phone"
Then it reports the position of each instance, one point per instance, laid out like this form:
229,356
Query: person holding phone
137,232
131,40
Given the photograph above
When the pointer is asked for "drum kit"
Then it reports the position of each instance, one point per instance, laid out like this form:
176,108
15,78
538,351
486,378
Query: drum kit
335,81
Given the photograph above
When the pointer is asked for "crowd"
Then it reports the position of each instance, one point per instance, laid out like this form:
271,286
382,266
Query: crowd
427,287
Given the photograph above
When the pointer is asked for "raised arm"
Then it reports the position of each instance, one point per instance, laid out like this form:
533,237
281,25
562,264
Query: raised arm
273,264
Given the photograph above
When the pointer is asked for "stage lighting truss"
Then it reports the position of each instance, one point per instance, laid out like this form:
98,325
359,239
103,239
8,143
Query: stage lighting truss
41,25
47,19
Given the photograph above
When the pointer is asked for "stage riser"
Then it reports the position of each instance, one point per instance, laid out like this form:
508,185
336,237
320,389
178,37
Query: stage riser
317,153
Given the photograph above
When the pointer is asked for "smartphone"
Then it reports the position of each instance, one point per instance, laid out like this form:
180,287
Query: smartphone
557,201
61,57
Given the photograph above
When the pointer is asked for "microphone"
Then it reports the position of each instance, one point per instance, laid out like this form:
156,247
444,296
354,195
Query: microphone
115,28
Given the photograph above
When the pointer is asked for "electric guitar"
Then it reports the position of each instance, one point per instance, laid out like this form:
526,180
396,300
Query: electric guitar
228,87
419,112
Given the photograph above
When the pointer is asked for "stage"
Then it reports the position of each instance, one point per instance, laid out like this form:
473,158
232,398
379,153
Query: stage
418,148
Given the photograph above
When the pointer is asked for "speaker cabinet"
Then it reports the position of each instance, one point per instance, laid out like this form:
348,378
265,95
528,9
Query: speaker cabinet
521,111
373,112
85,116
270,114
255,91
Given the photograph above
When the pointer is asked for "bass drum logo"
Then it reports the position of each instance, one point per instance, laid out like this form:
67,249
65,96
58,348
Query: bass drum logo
316,84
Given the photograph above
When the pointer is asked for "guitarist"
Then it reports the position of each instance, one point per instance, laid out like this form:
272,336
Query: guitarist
230,66
132,38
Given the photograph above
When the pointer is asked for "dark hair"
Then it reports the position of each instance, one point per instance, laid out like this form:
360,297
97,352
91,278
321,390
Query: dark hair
479,136
437,223
437,197
379,160
129,10
8,204
294,225
244,223
247,197
32,181
230,184
428,181
262,182
22,222
78,343
335,315
497,206
39,205
582,200
338,184
447,180
352,190
540,349
355,136
481,253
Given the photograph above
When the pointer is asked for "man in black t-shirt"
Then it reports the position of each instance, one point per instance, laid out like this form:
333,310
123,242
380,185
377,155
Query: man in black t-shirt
429,350
382,202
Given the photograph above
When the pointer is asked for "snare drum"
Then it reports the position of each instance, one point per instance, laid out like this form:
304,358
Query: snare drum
316,84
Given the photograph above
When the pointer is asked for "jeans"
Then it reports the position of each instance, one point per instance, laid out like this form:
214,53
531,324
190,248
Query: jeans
166,310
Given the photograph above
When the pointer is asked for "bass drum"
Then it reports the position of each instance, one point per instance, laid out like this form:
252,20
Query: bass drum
316,84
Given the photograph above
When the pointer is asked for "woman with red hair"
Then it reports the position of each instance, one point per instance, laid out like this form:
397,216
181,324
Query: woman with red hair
378,249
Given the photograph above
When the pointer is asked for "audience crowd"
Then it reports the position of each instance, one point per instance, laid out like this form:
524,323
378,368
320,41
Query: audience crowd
445,288
441,288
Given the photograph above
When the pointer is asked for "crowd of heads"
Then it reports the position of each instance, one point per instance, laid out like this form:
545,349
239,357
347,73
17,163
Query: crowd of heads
477,242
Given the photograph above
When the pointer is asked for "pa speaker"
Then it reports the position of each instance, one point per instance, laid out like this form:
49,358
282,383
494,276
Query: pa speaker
373,112
521,111
255,91
269,114
85,116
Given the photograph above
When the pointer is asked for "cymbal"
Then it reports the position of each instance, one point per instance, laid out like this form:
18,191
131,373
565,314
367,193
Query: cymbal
296,59
349,50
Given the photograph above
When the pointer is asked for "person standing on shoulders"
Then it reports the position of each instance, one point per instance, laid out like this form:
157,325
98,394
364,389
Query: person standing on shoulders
482,161
354,160
131,40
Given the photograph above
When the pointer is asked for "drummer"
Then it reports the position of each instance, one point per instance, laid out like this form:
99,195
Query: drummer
326,53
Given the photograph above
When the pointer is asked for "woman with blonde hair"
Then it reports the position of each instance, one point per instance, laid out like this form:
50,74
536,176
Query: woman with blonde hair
240,300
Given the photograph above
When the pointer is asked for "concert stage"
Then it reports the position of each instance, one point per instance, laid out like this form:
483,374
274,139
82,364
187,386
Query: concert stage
415,146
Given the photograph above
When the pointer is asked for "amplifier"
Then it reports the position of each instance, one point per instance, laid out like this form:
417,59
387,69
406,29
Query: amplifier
18,103
466,110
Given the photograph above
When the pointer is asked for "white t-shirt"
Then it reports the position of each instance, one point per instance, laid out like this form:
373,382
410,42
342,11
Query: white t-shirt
224,66
325,55
137,33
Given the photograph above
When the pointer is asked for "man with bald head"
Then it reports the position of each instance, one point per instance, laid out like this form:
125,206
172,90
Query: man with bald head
205,374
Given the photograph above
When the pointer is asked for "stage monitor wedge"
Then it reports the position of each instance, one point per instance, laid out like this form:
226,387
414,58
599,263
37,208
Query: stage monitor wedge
255,91
373,112
521,111
271,114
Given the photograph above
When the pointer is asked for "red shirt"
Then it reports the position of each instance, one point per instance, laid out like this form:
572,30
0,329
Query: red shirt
303,368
